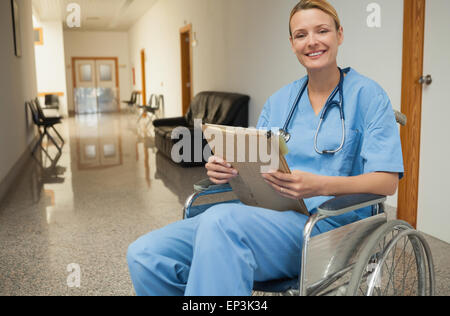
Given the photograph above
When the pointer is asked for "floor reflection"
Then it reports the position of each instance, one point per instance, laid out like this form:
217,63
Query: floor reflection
99,143
85,205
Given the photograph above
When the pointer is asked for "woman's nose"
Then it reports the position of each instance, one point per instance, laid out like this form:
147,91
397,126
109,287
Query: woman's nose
312,40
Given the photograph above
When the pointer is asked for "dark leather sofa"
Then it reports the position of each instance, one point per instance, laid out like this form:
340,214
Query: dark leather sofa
221,108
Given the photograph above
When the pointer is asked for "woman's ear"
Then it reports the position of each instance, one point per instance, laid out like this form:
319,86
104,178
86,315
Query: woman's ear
340,35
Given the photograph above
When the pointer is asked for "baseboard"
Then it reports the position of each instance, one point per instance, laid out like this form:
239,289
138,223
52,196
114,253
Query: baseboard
15,172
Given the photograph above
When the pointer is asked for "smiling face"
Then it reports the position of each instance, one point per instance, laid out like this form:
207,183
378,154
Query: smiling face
315,39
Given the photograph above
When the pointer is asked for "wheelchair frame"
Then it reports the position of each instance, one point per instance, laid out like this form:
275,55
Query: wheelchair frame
327,257
363,247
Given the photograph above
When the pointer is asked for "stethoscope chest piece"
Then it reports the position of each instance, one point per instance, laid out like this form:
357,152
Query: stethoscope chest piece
286,136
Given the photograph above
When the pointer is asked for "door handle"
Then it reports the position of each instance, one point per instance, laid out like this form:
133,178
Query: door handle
426,80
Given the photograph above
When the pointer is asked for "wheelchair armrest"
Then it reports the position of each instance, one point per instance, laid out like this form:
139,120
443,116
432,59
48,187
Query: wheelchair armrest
208,186
203,188
347,203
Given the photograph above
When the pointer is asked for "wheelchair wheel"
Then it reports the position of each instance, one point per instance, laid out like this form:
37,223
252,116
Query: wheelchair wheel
396,261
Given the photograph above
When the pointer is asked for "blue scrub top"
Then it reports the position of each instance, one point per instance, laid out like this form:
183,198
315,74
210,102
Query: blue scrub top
372,140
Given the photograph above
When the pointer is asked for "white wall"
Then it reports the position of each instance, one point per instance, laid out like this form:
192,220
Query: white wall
50,63
374,52
17,85
98,44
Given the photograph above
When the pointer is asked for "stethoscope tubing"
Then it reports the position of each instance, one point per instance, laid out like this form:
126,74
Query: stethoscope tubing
340,87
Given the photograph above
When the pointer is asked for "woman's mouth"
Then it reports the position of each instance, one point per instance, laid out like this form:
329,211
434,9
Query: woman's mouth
316,54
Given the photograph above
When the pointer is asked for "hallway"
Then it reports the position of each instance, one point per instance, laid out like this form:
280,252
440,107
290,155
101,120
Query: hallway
103,193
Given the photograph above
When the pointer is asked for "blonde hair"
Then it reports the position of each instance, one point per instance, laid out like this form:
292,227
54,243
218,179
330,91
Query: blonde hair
322,5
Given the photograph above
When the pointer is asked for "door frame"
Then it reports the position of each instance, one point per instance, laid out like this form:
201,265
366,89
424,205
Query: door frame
186,102
74,78
144,77
411,106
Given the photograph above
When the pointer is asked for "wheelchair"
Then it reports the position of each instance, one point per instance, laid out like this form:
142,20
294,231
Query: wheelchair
370,257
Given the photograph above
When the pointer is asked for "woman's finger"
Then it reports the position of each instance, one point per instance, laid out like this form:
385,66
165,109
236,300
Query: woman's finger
220,168
285,177
280,183
286,192
219,161
220,175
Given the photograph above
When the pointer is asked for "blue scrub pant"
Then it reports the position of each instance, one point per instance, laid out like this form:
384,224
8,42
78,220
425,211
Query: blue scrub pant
219,253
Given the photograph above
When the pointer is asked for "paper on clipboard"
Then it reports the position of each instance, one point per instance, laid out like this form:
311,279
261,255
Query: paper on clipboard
251,152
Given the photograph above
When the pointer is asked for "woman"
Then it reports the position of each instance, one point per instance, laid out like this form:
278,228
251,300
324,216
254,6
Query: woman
226,249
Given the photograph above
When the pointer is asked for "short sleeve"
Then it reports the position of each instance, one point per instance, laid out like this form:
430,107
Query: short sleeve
381,149
264,118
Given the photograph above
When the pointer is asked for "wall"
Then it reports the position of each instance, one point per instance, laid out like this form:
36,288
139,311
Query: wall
50,63
98,44
17,85
243,47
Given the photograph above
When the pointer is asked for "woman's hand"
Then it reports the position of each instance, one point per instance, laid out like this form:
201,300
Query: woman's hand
220,171
297,185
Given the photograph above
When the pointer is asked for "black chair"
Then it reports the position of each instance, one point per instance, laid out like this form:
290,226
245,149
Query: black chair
44,124
154,109
133,100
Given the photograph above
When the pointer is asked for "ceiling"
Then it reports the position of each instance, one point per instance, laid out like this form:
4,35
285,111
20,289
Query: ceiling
96,15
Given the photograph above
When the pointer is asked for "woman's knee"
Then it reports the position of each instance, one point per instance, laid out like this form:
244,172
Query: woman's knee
227,217
143,249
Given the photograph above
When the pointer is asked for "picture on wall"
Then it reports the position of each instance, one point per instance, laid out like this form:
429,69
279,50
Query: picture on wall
16,28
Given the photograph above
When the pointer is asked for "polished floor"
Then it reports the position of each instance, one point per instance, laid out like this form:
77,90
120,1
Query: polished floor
67,222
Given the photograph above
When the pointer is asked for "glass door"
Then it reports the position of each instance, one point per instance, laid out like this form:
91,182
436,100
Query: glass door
96,86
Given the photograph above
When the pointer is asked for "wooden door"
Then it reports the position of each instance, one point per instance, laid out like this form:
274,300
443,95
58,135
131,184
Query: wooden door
96,84
107,89
186,67
85,83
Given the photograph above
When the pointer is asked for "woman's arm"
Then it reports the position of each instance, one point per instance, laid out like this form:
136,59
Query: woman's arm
300,184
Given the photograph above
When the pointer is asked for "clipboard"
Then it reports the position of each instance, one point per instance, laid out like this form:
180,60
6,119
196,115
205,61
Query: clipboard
236,145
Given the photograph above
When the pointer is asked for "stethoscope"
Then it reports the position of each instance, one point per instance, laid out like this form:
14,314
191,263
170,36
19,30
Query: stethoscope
328,105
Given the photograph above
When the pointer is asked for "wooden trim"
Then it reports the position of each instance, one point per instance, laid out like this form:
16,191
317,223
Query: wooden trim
186,103
41,36
43,94
413,50
144,80
186,28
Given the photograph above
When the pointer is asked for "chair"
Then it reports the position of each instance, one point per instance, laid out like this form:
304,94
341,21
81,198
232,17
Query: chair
154,109
46,123
133,100
368,257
